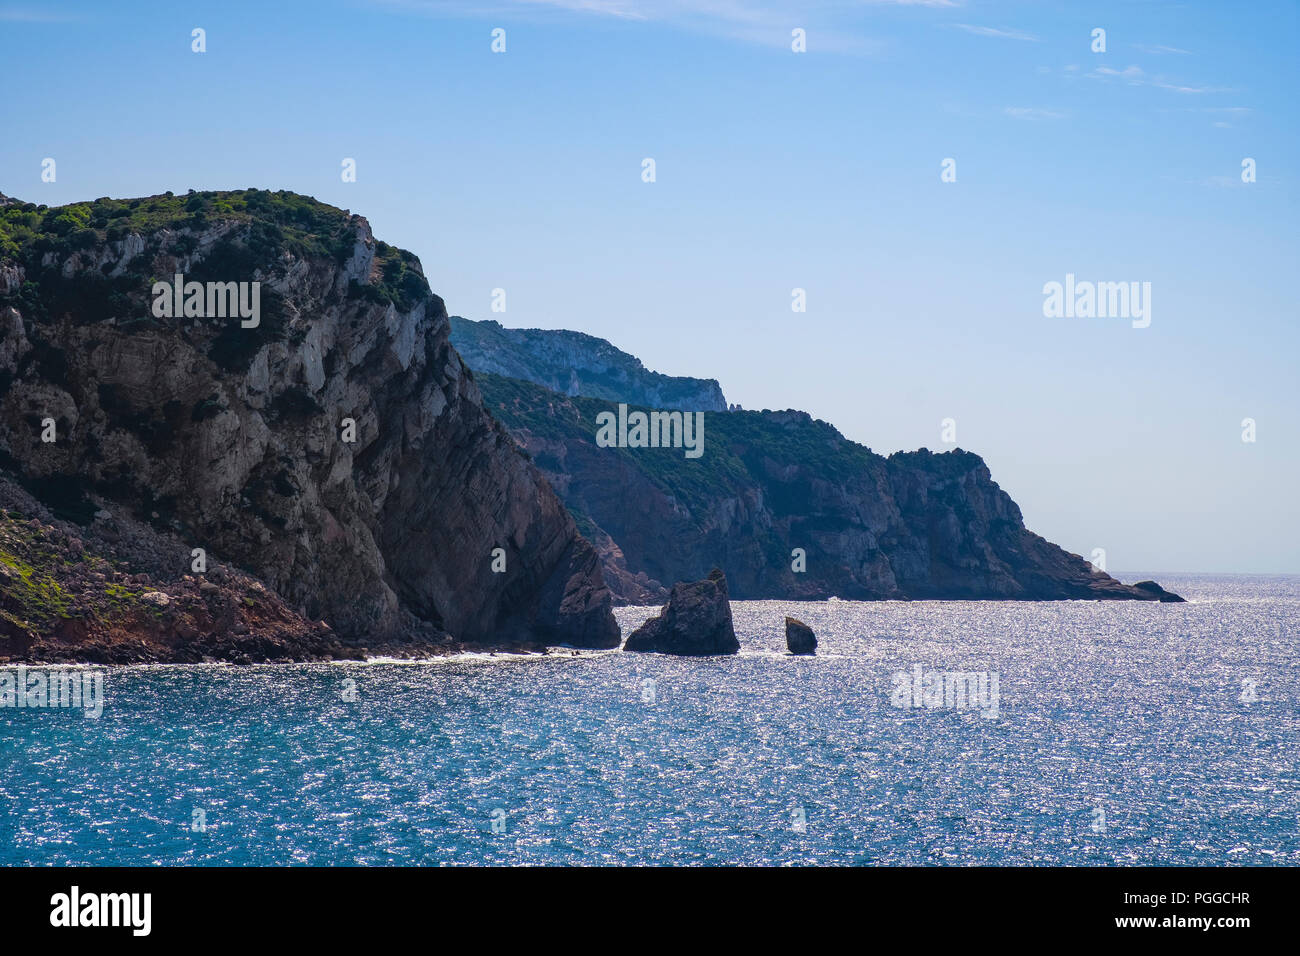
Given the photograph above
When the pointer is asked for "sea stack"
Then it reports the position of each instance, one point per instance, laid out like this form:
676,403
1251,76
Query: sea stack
799,637
696,621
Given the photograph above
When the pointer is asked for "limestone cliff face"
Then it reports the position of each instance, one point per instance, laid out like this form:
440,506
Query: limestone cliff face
574,363
236,439
913,525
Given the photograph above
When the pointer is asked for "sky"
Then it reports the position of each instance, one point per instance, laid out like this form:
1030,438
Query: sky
778,170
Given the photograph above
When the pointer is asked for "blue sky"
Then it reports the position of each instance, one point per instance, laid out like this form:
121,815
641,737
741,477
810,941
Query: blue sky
777,170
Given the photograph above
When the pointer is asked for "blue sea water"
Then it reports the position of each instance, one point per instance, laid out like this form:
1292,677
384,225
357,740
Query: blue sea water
1125,733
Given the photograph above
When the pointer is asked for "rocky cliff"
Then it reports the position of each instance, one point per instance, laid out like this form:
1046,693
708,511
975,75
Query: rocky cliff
573,363
913,525
335,449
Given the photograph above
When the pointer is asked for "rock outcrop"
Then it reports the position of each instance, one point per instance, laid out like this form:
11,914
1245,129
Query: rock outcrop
696,622
574,363
337,450
1165,597
799,637
776,492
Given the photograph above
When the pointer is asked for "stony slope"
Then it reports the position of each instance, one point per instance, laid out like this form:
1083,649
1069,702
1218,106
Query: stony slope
117,592
913,525
574,363
232,439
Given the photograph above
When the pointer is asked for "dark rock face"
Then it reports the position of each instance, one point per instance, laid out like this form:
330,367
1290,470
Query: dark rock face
696,622
233,439
1165,597
913,525
574,363
799,637
117,592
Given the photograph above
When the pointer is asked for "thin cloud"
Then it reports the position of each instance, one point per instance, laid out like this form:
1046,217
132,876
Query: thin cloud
1222,182
1179,88
1136,76
20,15
1160,50
1133,74
608,8
763,22
995,32
1220,113
1032,113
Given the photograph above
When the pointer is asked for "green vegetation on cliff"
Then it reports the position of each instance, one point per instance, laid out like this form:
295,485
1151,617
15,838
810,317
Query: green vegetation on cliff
747,459
576,363
35,566
273,224
777,488
736,444
291,222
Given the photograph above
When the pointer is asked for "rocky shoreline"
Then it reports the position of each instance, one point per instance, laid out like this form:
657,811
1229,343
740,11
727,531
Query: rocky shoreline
325,481
109,593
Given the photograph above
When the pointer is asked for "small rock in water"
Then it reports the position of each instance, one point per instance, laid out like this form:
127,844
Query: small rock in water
695,622
799,637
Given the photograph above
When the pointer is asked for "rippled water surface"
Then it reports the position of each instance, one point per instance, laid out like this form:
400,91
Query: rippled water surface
1132,733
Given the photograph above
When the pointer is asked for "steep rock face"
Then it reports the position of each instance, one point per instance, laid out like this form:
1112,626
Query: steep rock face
914,525
235,439
696,622
574,363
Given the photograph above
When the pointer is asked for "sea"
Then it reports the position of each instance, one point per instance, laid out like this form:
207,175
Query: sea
921,733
